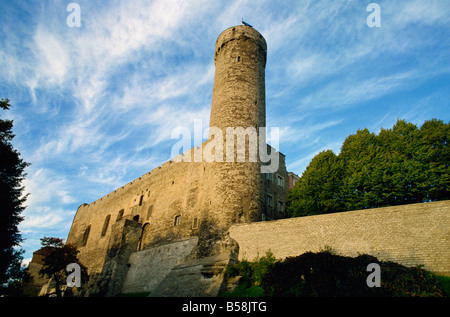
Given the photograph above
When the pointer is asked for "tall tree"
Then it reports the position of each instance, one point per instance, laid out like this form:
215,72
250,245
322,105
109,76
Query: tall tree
401,165
317,191
11,201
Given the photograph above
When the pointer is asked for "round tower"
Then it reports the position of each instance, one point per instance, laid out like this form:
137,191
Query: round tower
239,82
238,101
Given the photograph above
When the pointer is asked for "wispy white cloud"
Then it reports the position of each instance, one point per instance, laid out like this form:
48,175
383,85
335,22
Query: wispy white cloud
47,186
305,135
299,165
53,60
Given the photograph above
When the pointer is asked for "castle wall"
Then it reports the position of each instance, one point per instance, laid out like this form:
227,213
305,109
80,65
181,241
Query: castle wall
167,203
187,190
417,234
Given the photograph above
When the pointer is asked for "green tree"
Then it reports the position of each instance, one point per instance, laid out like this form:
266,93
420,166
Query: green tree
55,264
401,165
434,156
11,203
358,153
318,190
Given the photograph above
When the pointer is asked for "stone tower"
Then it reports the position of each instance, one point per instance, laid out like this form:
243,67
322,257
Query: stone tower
239,83
238,102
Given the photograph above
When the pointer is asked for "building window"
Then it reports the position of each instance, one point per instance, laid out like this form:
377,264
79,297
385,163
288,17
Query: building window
119,215
136,218
105,225
239,59
280,181
86,236
177,221
195,223
269,177
144,236
140,200
269,201
281,206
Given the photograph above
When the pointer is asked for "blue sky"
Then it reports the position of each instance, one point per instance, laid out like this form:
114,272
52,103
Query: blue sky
94,107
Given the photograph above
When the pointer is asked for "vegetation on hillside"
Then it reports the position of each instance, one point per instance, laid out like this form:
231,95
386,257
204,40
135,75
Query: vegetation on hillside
402,165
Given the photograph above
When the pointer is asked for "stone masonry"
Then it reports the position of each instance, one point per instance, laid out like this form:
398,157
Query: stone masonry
416,234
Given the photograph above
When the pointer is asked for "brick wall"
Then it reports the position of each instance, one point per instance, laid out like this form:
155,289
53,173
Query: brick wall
416,234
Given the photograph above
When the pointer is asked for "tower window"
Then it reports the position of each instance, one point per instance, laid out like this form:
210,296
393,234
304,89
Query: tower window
195,223
239,59
140,200
177,221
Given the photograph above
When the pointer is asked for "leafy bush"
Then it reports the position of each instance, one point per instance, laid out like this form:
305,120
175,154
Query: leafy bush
252,272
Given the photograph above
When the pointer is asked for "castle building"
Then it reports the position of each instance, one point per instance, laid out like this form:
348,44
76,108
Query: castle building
143,236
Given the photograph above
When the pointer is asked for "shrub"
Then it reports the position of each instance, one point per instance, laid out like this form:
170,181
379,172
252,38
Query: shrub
252,272
329,275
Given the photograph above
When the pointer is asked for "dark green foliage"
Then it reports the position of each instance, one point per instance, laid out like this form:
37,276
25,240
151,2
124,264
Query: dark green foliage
55,263
326,274
398,166
11,203
252,272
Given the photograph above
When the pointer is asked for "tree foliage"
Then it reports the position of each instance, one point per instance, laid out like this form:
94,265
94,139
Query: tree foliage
55,263
11,202
402,165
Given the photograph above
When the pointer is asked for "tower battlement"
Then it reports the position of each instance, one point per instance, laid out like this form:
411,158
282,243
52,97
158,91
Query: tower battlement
241,33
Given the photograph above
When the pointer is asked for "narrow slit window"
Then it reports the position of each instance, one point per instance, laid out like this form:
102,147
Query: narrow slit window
120,215
195,223
105,225
86,236
177,221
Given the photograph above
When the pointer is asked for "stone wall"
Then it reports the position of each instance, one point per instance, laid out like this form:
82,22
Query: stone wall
417,234
173,202
148,268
